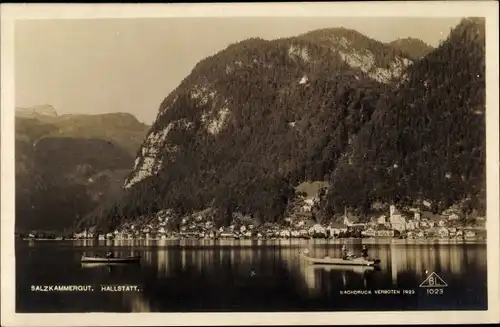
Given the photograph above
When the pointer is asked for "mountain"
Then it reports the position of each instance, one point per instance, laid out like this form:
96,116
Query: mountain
257,119
122,129
413,48
36,111
426,137
66,165
252,121
380,61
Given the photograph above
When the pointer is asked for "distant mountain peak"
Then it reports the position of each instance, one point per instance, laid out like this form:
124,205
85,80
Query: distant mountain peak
36,111
379,61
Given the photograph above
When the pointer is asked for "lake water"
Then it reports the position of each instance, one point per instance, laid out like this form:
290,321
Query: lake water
204,276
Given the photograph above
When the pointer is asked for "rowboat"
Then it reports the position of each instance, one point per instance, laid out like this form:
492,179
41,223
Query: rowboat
105,264
342,268
131,259
340,262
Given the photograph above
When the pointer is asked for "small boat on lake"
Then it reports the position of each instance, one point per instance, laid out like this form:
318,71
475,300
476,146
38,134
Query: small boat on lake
343,268
110,260
105,264
340,262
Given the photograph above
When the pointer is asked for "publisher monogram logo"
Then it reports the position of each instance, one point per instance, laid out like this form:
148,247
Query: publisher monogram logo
434,280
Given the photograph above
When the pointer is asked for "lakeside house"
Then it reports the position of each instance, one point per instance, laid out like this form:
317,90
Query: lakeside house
433,219
317,229
370,232
123,235
285,233
337,228
443,232
351,220
87,233
470,234
383,231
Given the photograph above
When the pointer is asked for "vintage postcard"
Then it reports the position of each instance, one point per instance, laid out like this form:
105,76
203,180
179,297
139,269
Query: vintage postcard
249,164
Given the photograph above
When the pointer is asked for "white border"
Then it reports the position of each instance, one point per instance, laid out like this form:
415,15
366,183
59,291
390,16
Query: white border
9,12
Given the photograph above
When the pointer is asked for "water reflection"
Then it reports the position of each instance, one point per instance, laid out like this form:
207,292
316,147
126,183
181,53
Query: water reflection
405,264
240,275
329,277
398,261
241,256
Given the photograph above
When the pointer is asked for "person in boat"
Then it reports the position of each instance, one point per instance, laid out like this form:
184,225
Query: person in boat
364,252
344,252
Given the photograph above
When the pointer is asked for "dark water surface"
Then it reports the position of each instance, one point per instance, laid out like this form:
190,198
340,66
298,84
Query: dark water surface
190,276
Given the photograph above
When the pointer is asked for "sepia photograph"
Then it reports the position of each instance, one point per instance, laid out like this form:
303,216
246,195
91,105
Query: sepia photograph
213,161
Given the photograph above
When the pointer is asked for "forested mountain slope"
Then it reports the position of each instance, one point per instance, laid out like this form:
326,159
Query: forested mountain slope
247,125
414,48
63,168
260,117
426,138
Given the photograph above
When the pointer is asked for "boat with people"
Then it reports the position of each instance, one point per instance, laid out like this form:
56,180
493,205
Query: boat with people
110,260
343,268
348,261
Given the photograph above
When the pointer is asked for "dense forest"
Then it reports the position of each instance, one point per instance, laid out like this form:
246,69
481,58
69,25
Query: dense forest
258,118
426,138
63,171
292,114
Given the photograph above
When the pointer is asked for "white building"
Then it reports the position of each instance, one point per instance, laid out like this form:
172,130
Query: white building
397,221
443,232
370,232
470,234
317,229
285,233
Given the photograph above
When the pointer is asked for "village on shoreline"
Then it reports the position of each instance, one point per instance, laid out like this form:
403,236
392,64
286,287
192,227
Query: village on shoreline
397,223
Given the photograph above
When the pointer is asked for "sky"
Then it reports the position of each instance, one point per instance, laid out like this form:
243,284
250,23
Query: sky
130,65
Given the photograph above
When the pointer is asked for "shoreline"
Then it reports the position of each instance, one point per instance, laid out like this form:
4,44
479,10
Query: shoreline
276,241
